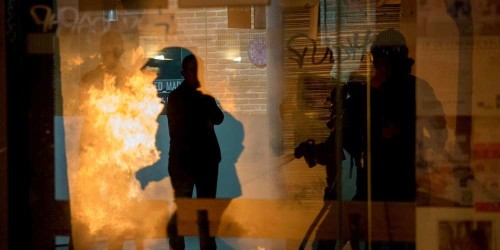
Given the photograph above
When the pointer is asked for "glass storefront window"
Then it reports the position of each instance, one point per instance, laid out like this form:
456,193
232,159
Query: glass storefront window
361,124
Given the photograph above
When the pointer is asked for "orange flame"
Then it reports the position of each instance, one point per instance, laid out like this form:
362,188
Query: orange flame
119,140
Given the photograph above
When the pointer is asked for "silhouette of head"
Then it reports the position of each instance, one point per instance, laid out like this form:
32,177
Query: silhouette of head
190,71
112,47
389,43
389,51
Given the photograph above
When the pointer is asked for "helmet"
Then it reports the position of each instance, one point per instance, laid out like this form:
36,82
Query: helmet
391,43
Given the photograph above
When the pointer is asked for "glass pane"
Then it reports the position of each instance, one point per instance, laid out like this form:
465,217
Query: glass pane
365,124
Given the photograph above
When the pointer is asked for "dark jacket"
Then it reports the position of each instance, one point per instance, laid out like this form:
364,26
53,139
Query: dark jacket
397,136
396,131
191,119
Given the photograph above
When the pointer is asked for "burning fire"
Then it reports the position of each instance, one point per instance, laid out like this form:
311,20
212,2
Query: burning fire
119,139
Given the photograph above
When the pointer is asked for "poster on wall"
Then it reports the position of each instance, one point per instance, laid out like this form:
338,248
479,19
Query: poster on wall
464,77
486,159
447,228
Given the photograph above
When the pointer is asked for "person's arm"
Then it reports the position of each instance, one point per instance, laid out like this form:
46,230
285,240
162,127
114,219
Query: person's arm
215,114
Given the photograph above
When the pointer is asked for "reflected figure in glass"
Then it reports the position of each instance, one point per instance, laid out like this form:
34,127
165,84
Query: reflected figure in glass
194,155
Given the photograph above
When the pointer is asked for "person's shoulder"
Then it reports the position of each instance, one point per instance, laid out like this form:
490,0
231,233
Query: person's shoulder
123,71
419,80
356,88
421,83
178,90
176,94
207,97
91,76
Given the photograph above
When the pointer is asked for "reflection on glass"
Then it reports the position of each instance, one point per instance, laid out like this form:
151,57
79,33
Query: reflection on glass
379,129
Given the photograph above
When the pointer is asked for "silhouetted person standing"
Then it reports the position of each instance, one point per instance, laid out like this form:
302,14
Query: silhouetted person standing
194,150
110,71
111,48
397,131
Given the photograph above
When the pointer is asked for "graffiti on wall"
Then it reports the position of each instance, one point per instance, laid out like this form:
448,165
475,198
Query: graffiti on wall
352,49
70,19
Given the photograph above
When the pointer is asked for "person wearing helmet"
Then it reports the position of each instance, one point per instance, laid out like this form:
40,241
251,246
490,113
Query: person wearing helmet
396,129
